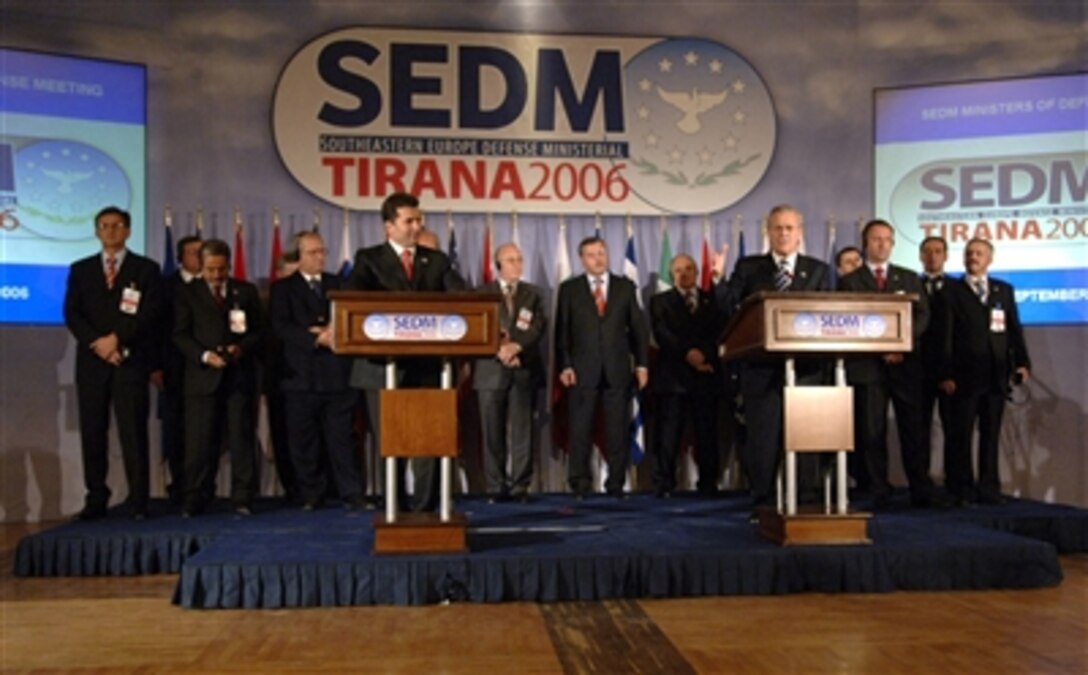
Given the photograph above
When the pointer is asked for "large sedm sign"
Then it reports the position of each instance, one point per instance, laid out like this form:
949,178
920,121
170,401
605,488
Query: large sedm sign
523,122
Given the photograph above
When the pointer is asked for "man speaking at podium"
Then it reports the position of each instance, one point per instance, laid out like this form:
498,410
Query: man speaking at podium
782,269
401,264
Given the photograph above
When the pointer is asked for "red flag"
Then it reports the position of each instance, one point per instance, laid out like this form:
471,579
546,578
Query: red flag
239,266
705,278
277,253
488,271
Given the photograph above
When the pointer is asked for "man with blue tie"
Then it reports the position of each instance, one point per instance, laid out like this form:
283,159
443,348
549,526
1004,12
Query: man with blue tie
784,268
984,355
320,404
600,334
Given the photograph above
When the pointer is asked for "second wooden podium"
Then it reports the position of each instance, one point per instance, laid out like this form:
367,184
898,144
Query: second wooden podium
417,422
785,326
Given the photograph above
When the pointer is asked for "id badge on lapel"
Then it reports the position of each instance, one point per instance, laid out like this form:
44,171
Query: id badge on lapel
130,300
237,319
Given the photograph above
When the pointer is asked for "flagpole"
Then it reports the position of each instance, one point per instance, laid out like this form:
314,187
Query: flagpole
200,221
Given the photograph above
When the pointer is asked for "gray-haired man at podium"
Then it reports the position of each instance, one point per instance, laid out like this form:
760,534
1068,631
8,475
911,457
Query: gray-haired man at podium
783,268
402,264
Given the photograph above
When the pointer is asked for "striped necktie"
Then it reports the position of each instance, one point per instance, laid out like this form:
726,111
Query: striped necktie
782,278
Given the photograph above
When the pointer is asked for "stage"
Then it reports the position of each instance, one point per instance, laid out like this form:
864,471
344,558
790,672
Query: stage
555,548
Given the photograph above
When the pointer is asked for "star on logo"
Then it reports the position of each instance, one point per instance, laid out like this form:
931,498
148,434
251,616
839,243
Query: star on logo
651,139
739,117
738,86
645,85
664,65
715,66
676,155
730,142
691,58
643,113
706,156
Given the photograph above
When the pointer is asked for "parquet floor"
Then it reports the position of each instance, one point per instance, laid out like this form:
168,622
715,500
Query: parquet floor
129,625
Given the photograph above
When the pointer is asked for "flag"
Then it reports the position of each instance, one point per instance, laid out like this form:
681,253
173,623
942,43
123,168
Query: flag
831,241
705,273
630,270
239,266
168,260
664,270
556,398
488,271
345,246
455,262
277,252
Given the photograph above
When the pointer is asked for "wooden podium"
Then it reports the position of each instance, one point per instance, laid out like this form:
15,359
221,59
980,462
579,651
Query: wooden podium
785,326
417,422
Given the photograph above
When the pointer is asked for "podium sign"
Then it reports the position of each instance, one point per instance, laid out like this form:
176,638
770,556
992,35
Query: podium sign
772,325
369,323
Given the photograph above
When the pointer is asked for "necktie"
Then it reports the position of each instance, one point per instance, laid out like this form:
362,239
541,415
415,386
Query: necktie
111,271
782,278
406,262
217,293
980,290
508,299
691,301
881,282
598,295
931,285
315,286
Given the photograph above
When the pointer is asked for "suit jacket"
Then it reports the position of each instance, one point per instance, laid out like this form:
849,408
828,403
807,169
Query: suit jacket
91,310
525,327
200,326
756,273
975,356
378,268
931,345
677,331
594,345
173,360
872,369
294,307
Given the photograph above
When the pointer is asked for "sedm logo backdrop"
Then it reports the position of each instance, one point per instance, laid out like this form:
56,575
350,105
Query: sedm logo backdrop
522,122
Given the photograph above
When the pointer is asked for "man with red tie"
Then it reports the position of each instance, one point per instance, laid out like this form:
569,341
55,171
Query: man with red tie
219,329
112,307
894,377
402,264
600,331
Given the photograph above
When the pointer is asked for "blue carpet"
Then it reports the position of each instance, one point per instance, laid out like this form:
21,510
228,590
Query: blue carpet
555,548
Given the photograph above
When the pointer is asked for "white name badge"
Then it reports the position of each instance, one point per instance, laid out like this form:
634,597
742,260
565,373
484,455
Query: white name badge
997,320
130,300
237,321
525,317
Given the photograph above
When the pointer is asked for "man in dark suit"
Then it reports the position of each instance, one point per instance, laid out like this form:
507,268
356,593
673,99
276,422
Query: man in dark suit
600,331
984,354
933,253
172,396
219,329
507,382
783,269
896,377
400,264
686,323
112,307
319,404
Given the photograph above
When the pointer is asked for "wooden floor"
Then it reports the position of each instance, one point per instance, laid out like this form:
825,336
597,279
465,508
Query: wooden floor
129,625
